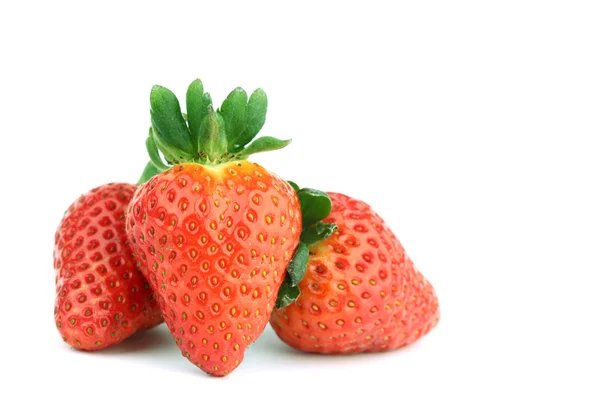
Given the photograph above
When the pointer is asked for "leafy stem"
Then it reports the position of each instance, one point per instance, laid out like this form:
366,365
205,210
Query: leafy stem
315,206
203,134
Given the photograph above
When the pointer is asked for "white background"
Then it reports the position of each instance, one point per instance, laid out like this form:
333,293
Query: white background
470,126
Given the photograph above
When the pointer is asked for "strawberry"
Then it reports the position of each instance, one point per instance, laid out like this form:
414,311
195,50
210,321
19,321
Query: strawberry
361,292
101,297
213,232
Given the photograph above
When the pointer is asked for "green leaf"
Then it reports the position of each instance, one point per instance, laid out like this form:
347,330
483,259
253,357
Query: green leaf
317,232
265,143
148,173
233,111
153,152
212,139
170,127
197,103
256,113
294,186
314,204
297,267
287,294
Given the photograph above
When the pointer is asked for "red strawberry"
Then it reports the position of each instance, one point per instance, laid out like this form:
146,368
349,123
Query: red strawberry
214,233
361,292
101,297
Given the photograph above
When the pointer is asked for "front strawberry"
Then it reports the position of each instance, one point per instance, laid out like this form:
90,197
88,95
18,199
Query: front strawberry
214,233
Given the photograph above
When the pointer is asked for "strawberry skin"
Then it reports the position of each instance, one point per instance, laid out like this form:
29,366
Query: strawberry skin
214,242
101,297
361,292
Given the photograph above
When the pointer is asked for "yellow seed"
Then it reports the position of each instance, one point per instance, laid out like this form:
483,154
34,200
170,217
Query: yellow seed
351,303
322,325
269,220
228,336
236,347
224,359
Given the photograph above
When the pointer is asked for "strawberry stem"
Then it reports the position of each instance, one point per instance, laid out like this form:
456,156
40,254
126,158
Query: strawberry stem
205,135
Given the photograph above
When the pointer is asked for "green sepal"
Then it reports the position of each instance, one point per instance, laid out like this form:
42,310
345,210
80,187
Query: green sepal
287,294
256,114
153,152
172,134
233,110
315,206
317,232
294,186
265,143
148,173
297,267
197,103
212,140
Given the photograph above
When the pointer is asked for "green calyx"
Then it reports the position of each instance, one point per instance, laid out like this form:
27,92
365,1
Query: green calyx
315,206
204,135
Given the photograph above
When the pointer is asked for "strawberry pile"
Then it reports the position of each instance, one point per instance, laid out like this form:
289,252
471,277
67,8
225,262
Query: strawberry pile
217,247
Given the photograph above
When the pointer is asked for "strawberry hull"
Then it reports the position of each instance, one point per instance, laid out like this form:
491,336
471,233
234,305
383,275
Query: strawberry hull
214,243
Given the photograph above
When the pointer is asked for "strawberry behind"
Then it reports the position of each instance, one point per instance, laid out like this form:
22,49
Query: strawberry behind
101,296
361,291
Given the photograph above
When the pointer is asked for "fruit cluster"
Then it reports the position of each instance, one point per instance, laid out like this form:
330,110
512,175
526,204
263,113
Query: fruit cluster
217,246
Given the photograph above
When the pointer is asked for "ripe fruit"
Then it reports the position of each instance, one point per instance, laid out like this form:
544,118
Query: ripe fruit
101,297
213,233
361,292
